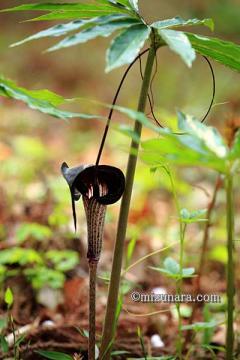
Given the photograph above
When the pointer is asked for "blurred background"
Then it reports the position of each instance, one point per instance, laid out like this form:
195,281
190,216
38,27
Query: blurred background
37,238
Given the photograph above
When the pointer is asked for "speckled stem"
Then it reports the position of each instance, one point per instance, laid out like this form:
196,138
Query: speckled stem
92,309
95,214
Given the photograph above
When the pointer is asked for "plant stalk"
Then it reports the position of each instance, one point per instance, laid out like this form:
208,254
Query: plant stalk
201,268
110,323
92,309
230,269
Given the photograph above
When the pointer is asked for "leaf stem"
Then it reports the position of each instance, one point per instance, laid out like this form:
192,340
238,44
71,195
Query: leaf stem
182,230
110,318
92,309
230,268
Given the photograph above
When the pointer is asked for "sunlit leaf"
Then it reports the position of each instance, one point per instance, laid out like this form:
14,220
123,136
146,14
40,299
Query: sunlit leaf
17,255
8,297
103,30
71,10
125,47
61,7
44,101
219,253
170,150
70,15
194,148
225,52
178,21
180,44
207,134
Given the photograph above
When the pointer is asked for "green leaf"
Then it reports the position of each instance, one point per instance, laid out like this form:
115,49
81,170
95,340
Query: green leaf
32,230
119,3
44,101
70,15
61,7
4,344
193,216
219,253
17,255
64,260
126,46
134,5
177,150
119,353
209,136
103,30
41,276
199,326
122,2
171,265
225,52
54,355
3,323
8,297
178,21
180,44
234,153
130,249
57,30
172,269
50,7
71,11
63,29
188,272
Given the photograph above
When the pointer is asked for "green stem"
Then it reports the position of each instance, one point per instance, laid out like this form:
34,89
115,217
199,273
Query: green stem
109,324
182,230
92,309
230,269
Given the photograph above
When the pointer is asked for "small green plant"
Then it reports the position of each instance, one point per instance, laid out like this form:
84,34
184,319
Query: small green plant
41,269
17,339
87,21
175,271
